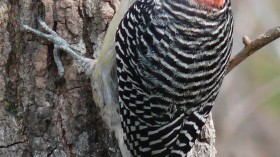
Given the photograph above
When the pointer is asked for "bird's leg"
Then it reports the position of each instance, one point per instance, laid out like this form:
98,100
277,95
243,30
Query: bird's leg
60,44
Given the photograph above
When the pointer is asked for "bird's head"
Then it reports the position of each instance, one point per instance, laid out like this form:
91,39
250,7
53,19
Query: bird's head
210,4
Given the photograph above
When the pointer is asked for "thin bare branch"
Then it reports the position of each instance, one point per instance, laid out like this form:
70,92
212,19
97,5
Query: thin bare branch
252,46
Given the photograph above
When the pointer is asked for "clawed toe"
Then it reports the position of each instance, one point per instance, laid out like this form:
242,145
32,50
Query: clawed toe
60,44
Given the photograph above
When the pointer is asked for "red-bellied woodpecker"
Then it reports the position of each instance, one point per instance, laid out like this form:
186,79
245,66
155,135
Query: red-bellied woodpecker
159,71
171,60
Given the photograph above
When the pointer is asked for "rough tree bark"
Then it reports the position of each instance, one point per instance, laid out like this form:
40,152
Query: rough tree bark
41,115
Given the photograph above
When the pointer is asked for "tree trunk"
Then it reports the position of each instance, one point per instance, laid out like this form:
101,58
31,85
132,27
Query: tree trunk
43,115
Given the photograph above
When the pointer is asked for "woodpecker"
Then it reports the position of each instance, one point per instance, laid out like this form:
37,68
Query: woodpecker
158,72
171,59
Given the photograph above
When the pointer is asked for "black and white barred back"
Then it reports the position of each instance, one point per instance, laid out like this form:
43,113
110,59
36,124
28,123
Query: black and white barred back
171,60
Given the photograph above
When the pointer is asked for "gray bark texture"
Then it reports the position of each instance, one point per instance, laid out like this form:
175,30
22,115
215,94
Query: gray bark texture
42,115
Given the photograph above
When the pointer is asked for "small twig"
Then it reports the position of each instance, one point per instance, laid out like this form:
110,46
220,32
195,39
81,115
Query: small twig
252,46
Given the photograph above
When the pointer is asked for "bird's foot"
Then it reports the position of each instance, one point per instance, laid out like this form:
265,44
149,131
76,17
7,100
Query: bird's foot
60,44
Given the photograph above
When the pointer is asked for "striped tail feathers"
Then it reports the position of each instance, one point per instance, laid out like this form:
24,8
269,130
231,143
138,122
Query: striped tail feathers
145,140
190,131
173,139
176,138
163,138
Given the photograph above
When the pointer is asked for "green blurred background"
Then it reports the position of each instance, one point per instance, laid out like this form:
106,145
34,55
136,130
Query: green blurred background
247,112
